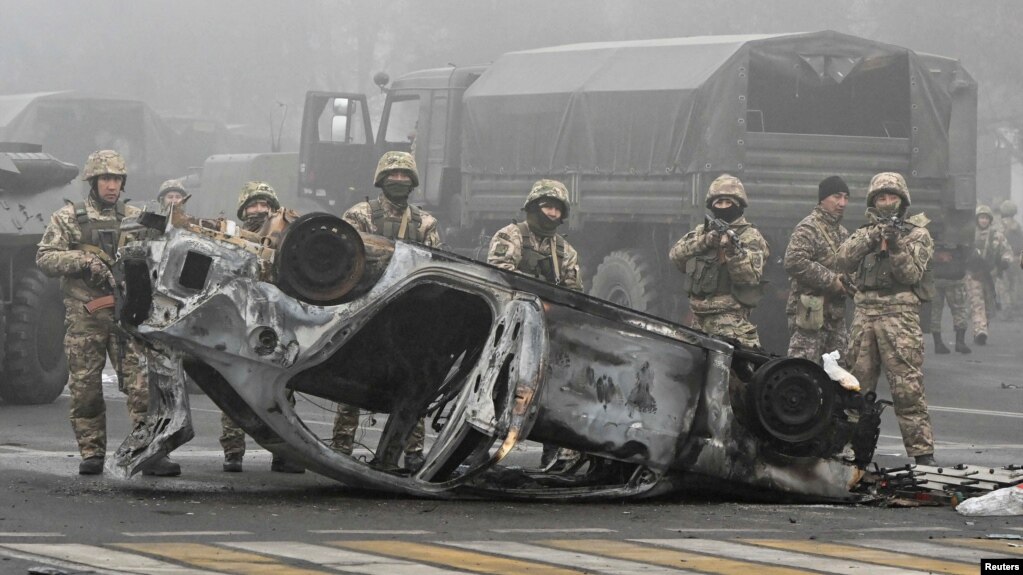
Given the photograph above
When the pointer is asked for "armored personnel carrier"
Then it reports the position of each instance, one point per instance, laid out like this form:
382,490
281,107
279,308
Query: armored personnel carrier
32,186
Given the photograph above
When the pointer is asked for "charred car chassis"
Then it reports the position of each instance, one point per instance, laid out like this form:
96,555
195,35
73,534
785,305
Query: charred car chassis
488,357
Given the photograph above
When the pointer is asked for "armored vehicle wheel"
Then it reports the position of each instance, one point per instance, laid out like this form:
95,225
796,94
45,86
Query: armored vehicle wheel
627,278
36,368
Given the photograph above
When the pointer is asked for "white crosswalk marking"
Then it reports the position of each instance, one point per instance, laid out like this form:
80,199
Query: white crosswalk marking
591,563
777,557
341,559
926,549
107,559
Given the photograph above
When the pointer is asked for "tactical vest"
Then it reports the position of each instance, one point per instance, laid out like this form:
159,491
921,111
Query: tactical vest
708,276
102,234
389,224
875,274
537,264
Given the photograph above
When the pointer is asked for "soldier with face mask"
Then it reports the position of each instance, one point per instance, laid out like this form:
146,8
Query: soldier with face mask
889,258
724,269
260,212
79,246
534,248
390,215
525,247
992,256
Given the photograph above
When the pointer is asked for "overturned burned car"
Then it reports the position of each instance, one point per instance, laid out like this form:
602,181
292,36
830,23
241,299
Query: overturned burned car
489,358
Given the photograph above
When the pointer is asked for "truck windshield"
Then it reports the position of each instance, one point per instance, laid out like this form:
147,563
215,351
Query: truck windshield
403,120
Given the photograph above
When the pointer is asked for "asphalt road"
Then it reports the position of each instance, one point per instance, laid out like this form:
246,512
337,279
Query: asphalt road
263,522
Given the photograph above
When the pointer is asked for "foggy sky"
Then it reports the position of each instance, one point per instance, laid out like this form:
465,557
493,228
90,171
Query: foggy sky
243,61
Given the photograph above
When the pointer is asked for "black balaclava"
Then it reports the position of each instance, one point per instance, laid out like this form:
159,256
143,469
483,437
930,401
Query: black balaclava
397,192
539,223
254,222
729,214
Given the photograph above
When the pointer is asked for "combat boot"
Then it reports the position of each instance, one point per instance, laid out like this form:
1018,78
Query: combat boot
282,465
91,465
163,467
961,342
980,339
233,463
926,459
939,346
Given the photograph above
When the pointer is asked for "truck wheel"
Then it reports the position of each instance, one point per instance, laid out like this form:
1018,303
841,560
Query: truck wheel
36,369
627,278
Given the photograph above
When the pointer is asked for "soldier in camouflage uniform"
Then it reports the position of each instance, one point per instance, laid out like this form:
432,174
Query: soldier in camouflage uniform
534,248
816,304
260,212
79,246
525,247
949,270
389,215
889,266
992,256
724,278
1009,285
171,192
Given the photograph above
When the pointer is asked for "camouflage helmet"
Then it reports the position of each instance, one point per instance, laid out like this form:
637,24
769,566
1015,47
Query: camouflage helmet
890,182
257,191
396,161
102,163
170,186
984,210
726,186
1007,209
548,189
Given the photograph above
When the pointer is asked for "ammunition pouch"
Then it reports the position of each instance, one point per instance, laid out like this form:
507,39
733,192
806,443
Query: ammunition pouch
707,277
810,312
875,272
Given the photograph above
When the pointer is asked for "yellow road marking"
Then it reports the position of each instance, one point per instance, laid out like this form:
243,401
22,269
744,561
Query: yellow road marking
867,555
224,560
669,557
998,546
460,558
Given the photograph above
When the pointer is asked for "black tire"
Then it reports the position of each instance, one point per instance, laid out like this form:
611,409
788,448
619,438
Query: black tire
36,369
627,278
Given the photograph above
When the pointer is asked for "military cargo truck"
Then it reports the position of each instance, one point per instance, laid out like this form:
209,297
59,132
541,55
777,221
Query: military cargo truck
32,186
637,131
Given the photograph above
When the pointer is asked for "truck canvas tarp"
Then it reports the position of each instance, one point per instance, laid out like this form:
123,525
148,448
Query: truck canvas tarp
685,104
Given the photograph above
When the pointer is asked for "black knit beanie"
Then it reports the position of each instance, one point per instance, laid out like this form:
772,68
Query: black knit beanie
831,185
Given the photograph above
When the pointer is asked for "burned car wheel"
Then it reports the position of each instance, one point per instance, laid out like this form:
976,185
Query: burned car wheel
792,401
321,259
36,368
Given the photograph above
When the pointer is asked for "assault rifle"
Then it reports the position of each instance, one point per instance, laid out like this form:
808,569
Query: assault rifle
721,226
896,222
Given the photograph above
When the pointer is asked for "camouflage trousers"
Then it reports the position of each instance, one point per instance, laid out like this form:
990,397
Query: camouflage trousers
346,422
895,343
88,341
733,324
954,293
232,438
812,345
1009,287
981,295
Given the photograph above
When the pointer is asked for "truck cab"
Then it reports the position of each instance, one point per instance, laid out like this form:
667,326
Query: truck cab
421,115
